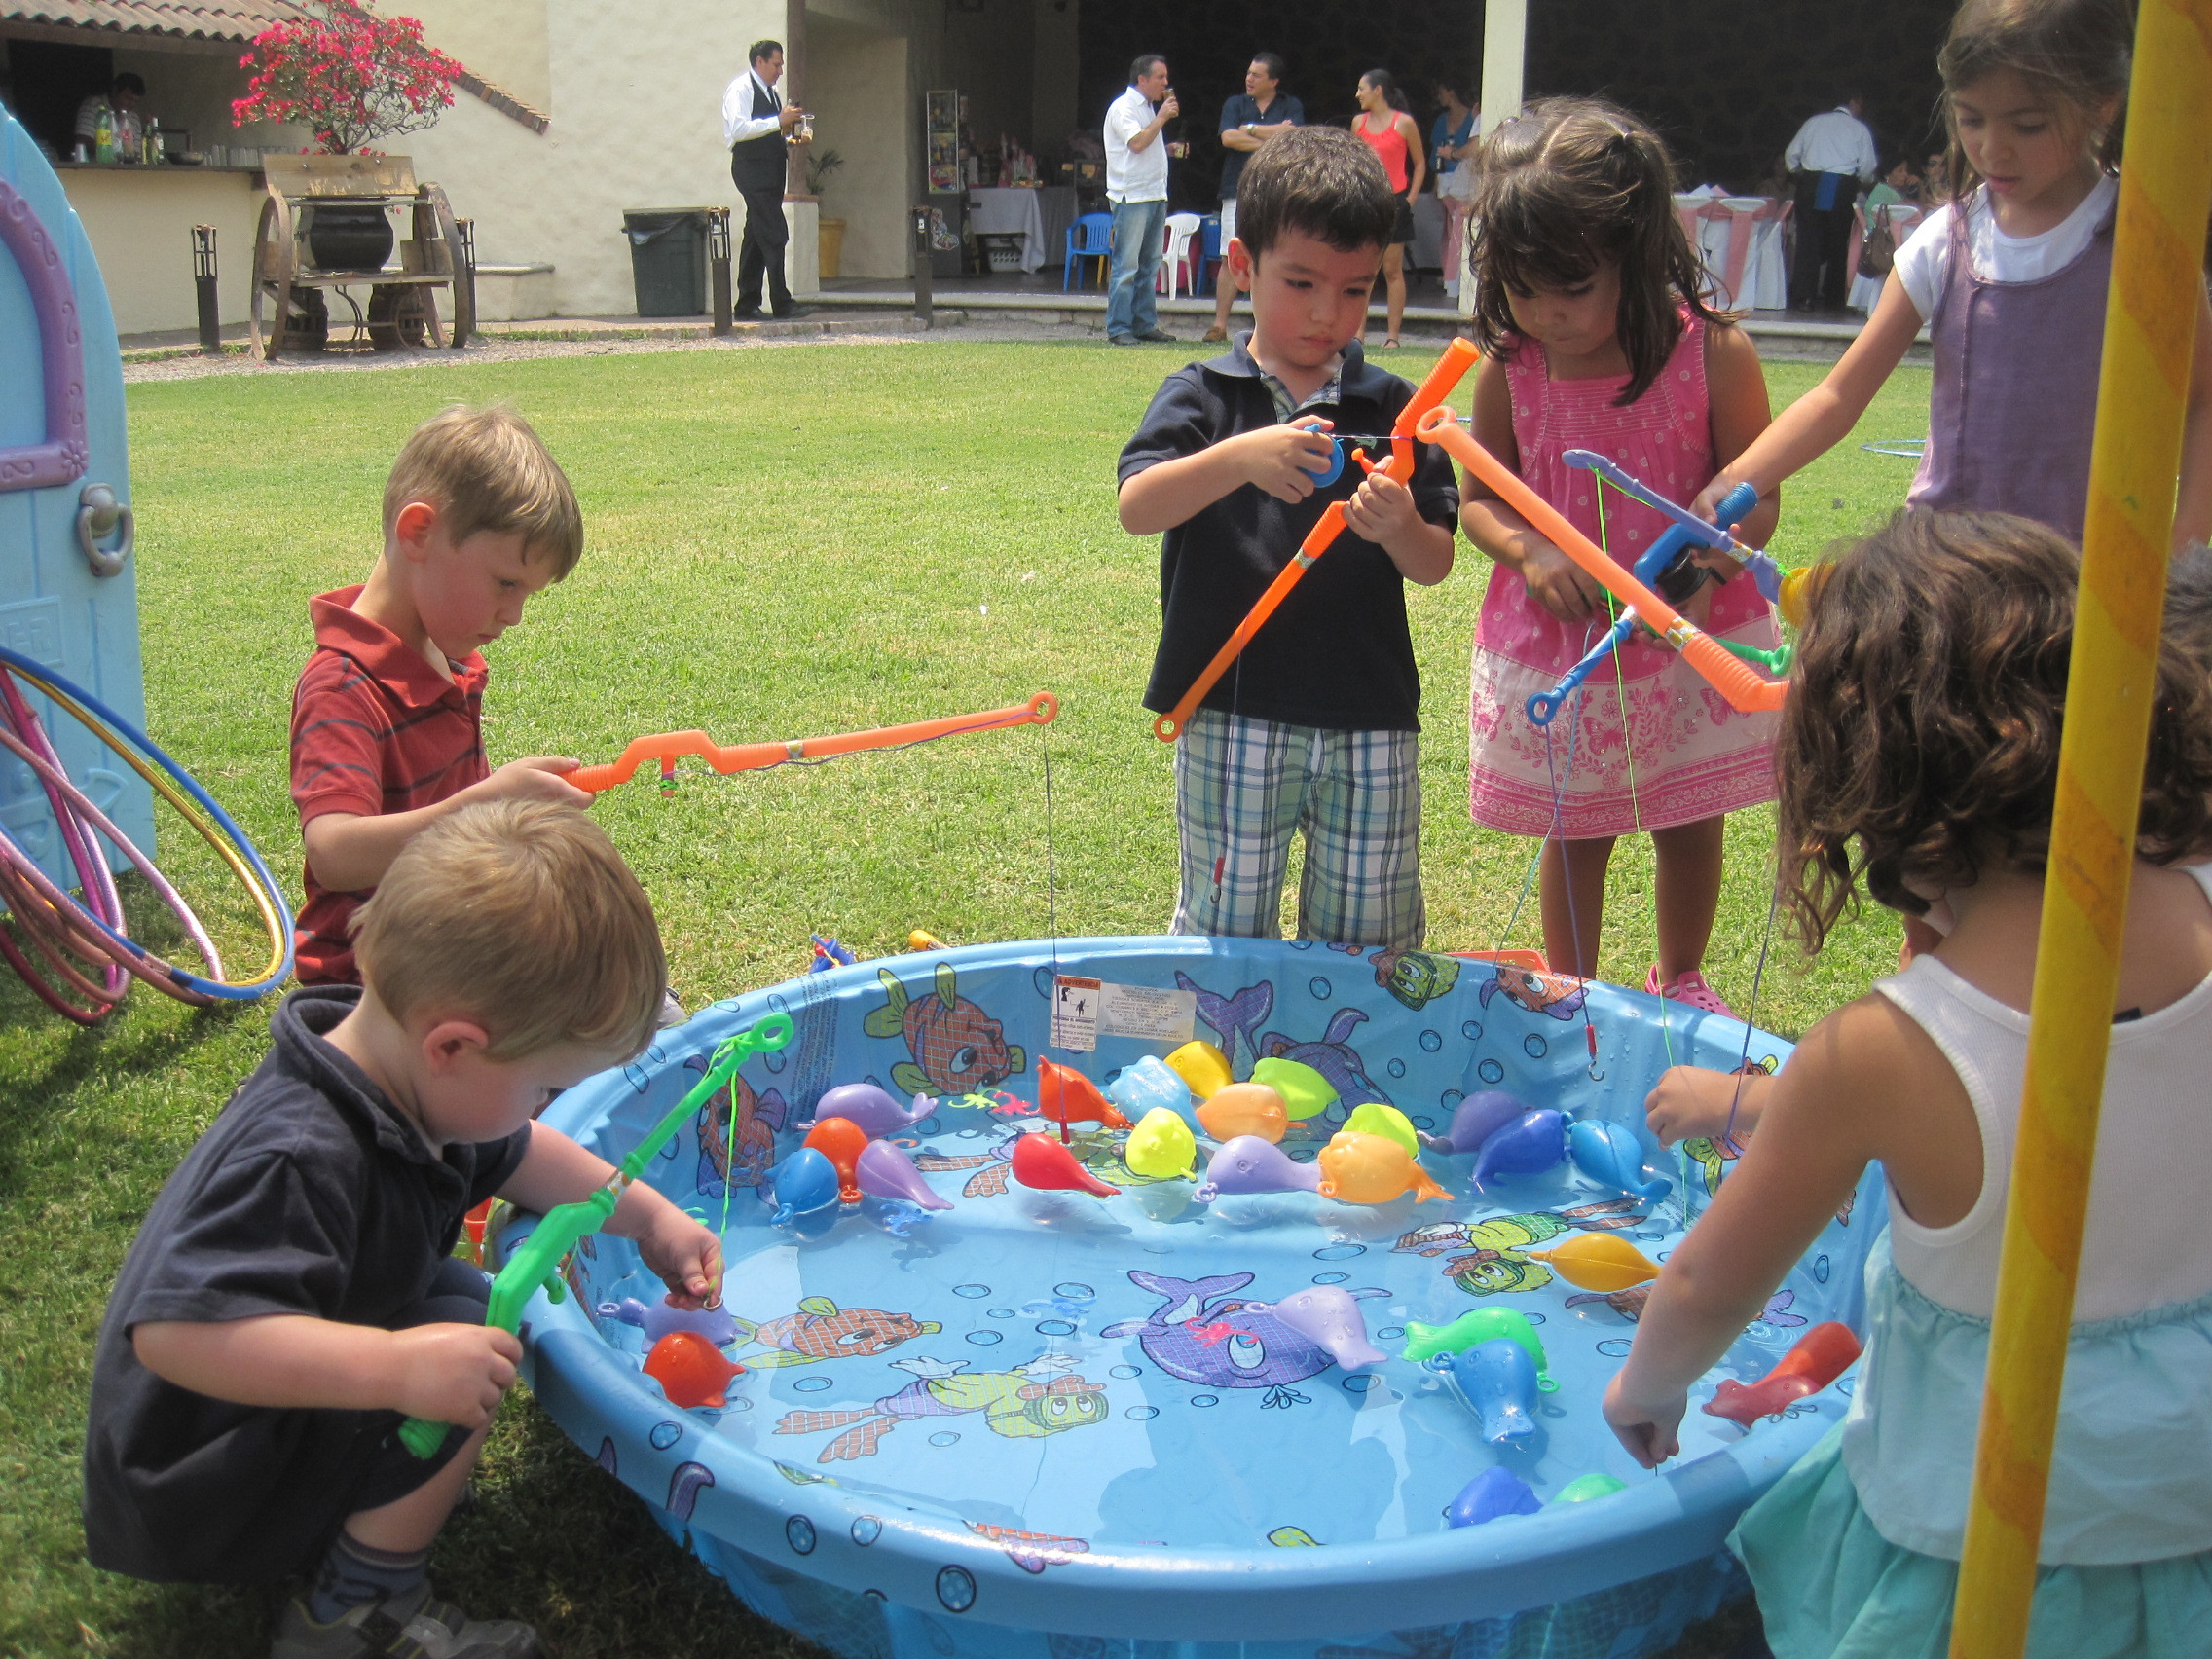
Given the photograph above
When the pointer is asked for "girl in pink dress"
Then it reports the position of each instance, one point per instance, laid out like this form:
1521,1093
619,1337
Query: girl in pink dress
1596,335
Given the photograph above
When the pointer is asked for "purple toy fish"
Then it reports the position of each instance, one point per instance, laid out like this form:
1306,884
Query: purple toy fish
1479,1117
1203,1334
1331,1316
1493,1493
1246,1163
657,1319
875,1111
885,1172
1536,1141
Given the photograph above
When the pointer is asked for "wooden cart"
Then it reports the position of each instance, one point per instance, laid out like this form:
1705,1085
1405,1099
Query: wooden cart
291,307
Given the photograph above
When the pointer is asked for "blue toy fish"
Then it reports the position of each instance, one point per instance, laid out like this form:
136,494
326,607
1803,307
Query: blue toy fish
803,1182
1493,1493
1611,1156
1496,1380
1534,1142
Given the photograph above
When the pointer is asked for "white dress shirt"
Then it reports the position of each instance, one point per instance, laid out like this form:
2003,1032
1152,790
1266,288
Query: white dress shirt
747,94
1835,141
1134,175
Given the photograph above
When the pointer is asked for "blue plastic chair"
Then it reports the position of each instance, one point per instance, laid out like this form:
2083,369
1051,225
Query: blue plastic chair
1090,236
1209,252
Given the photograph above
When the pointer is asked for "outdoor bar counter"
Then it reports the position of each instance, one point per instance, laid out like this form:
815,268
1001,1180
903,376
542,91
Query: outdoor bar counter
139,219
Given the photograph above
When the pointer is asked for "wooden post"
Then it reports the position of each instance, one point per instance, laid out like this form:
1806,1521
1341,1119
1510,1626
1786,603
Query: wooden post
2150,325
795,78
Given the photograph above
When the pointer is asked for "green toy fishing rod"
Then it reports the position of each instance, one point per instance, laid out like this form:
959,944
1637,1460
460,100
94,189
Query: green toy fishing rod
536,1260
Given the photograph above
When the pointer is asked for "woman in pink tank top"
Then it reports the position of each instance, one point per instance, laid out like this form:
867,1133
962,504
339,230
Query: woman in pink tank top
1389,132
1597,336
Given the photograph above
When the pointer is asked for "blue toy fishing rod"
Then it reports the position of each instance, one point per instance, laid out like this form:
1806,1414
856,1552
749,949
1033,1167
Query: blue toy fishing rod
1657,566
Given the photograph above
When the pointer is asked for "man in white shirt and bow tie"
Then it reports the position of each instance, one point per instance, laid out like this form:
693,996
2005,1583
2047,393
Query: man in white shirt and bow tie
757,125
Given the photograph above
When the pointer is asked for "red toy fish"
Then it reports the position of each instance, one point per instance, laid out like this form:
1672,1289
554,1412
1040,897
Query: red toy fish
842,1141
1039,1160
691,1370
1064,1095
1817,1359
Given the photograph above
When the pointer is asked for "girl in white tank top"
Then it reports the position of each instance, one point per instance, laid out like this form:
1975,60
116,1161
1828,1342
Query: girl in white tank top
1919,754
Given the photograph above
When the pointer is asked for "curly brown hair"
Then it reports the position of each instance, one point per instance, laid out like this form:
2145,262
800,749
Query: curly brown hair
1924,720
1570,185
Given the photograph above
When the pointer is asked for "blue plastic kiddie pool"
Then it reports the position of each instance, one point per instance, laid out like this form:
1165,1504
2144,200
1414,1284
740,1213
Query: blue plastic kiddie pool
1048,1425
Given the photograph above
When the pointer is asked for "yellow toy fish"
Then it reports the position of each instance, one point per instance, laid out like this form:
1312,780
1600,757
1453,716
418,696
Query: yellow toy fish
1600,1261
1202,1066
1372,1169
1161,1147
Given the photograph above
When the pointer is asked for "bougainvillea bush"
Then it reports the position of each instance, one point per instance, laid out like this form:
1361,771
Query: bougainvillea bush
347,75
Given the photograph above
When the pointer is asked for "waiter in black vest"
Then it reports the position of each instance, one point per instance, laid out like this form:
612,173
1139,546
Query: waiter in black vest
756,125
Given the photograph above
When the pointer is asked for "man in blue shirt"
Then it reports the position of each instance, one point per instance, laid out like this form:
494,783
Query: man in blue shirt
1248,120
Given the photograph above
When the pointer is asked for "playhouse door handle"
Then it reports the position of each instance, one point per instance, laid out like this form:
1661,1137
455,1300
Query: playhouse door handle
100,515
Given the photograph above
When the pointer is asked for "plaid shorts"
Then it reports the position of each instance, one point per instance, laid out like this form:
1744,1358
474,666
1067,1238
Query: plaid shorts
1244,787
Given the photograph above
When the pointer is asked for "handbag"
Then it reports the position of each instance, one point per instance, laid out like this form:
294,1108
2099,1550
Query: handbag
1878,248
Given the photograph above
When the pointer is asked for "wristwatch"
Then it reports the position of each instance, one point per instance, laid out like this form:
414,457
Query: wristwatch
1251,127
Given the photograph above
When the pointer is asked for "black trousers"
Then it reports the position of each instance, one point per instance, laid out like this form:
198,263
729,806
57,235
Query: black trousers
1821,275
762,251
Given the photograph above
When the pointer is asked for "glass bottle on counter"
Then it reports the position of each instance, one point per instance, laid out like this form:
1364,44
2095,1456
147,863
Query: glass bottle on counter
130,136
152,152
103,135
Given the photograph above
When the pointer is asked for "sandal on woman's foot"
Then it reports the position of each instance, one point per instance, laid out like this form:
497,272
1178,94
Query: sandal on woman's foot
1391,344
1215,335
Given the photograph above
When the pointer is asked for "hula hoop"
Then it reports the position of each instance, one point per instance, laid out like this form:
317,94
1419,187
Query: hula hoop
22,902
197,807
92,873
134,957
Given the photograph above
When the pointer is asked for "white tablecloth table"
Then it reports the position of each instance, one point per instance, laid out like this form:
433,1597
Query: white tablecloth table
1039,216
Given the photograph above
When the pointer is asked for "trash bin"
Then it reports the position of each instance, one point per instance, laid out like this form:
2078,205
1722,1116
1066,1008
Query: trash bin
668,259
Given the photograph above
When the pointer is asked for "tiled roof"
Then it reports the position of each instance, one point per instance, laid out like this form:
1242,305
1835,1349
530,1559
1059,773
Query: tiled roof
224,19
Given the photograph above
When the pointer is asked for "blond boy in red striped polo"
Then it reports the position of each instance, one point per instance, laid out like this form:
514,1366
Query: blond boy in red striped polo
388,718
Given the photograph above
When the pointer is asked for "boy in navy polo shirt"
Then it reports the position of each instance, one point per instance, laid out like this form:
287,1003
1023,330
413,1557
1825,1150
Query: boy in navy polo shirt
388,717
293,1294
1313,729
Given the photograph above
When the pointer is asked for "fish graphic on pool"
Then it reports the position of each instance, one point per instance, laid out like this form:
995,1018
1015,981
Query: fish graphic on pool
1027,1403
1202,1332
822,1330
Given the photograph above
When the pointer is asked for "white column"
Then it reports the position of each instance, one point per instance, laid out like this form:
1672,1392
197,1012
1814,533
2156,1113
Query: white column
1505,45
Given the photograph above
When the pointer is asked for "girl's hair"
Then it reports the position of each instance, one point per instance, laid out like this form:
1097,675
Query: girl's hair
1922,725
1385,83
2076,52
2189,602
1570,185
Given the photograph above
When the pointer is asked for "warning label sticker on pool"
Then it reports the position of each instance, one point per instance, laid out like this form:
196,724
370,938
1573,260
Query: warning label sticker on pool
1087,1009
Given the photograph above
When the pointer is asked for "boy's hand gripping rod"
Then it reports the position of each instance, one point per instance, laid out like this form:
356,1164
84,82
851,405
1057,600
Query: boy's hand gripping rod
536,1260
668,746
1744,691
1459,357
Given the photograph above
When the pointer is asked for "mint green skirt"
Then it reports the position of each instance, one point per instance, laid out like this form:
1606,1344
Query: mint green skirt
1830,1587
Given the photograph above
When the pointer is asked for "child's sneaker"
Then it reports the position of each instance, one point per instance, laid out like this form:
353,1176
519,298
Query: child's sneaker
412,1626
1690,988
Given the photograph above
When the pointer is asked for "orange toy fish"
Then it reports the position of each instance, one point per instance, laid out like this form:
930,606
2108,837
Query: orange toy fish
1245,1109
1372,1169
690,1370
1065,1096
842,1141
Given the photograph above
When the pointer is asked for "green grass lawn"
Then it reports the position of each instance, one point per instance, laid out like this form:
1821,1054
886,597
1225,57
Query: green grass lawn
781,543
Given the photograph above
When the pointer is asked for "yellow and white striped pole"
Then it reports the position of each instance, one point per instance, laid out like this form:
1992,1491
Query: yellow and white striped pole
2150,323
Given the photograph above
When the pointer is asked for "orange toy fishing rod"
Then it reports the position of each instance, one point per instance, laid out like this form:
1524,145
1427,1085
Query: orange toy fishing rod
1459,357
668,746
1732,679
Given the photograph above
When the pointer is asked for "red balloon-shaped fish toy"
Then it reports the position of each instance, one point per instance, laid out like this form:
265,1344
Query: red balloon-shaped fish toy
691,1370
1818,1358
842,1141
1040,1160
1064,1095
